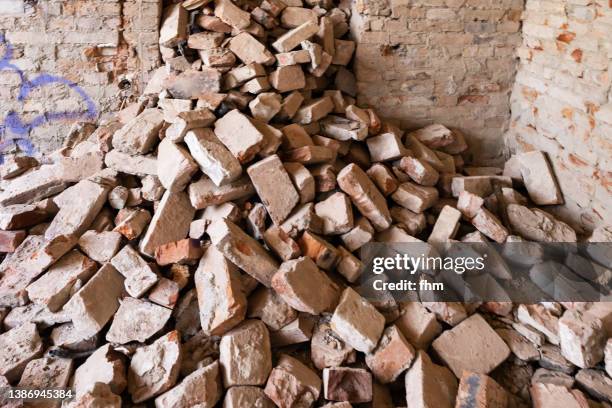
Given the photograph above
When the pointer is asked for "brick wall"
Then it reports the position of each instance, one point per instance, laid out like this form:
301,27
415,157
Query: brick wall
562,101
96,44
447,61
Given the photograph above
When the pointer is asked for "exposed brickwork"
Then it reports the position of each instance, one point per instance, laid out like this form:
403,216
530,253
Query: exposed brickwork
94,43
447,61
562,101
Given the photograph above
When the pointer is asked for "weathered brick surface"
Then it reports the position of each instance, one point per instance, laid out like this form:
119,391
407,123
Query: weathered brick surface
93,43
449,62
562,102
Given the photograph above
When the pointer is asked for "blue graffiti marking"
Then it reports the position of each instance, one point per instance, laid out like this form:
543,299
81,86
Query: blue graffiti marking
13,121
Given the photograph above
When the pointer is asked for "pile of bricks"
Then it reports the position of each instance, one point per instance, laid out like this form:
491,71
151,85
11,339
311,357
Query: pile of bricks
201,246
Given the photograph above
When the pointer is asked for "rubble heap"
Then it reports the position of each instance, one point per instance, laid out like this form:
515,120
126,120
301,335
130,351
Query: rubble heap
202,245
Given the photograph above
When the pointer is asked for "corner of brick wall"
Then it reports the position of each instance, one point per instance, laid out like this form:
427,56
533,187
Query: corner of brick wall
94,43
562,102
446,61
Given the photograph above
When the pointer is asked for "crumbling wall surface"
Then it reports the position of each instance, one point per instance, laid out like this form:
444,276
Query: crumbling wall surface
446,61
67,60
562,101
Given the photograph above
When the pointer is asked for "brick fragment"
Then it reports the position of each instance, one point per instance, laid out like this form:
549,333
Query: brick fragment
349,265
343,51
287,78
414,197
347,384
481,391
469,204
104,366
186,121
174,26
315,110
249,50
74,217
582,338
137,320
364,194
412,222
539,178
384,147
139,277
50,179
202,389
265,106
96,302
309,155
362,233
245,397
242,250
214,159
305,384
471,345
132,223
294,37
292,17
430,385
10,240
305,287
446,225
319,250
392,356
170,222
357,322
302,180
46,373
540,319
489,225
551,395
296,332
418,325
281,243
184,251
149,375
131,164
231,14
343,129
30,259
336,213
245,354
222,303
327,349
245,147
519,345
175,166
18,216
204,193
100,396
19,346
291,104
270,308
274,187
419,170
54,288
383,178
435,136
141,134
537,225
165,292
14,166
293,58
192,84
